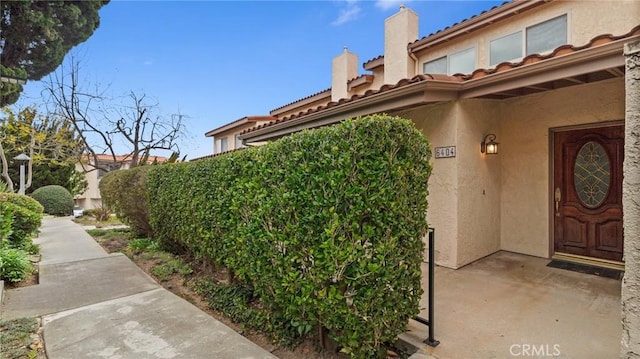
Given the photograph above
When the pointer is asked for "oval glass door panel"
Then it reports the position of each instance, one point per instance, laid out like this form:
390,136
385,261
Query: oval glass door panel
592,174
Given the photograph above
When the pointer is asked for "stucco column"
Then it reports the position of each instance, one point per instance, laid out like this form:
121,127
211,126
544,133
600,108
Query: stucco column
631,206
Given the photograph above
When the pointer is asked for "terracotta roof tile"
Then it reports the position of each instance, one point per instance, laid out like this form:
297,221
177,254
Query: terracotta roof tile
505,66
126,158
238,122
384,88
558,52
302,99
462,22
370,62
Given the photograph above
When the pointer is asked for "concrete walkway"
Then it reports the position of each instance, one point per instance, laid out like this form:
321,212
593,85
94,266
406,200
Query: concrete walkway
96,305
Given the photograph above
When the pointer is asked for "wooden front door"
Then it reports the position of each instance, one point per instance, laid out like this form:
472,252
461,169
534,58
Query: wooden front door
587,192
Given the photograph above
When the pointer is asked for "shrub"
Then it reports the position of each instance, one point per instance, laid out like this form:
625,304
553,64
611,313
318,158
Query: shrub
140,245
14,265
55,199
6,218
325,225
101,214
22,201
125,191
24,225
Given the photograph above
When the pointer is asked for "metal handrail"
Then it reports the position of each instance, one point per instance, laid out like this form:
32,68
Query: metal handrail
431,341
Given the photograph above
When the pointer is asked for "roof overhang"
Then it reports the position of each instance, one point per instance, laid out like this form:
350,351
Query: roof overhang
413,95
237,123
475,23
540,76
583,66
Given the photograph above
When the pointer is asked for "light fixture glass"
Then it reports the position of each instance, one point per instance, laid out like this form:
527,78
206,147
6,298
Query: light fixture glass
488,145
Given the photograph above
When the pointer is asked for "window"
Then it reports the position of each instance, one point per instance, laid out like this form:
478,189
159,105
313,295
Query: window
223,144
547,35
104,168
460,62
238,142
538,38
463,62
438,66
506,48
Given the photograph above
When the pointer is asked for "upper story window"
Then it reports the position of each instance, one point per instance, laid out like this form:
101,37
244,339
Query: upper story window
106,167
220,145
505,48
460,62
223,144
438,66
238,142
538,38
547,35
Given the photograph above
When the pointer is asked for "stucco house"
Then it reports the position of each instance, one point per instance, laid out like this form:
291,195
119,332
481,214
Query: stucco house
93,173
542,79
226,137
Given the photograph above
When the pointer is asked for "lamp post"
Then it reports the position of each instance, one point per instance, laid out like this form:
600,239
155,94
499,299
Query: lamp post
22,159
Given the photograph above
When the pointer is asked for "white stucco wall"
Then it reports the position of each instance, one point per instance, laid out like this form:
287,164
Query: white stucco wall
585,20
344,67
479,194
434,122
525,155
399,30
464,191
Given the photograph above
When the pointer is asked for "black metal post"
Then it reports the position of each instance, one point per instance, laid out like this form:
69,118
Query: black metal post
431,341
432,268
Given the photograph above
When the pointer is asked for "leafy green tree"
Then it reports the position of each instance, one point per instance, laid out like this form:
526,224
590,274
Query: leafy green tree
36,36
52,144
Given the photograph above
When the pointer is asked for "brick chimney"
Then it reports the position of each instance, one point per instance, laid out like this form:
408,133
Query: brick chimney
344,68
399,30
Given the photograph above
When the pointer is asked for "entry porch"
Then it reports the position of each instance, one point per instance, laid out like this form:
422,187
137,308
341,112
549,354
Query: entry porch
513,305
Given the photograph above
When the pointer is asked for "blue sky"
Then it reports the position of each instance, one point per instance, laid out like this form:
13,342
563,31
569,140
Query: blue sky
217,61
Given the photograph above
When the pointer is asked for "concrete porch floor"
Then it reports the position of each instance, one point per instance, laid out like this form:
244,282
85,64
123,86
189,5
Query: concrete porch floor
512,305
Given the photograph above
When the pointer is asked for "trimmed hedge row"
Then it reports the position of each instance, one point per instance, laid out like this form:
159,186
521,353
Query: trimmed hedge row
326,225
125,192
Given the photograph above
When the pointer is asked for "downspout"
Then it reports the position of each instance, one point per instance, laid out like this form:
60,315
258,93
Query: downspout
416,67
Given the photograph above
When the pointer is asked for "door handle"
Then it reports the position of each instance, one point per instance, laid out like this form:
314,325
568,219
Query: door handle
558,197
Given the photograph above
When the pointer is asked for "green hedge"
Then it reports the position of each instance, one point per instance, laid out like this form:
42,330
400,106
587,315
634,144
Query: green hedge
6,218
125,192
55,199
326,225
22,200
24,222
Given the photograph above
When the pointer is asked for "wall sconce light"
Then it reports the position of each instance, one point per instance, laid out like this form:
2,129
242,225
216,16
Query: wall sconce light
489,145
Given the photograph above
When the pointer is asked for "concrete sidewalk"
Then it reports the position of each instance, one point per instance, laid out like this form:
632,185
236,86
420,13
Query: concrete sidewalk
98,305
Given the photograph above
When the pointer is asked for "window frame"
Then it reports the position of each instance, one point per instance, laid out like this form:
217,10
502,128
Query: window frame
224,141
447,59
523,40
522,46
526,30
237,142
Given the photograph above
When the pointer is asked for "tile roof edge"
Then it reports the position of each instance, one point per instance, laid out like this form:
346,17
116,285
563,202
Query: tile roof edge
558,52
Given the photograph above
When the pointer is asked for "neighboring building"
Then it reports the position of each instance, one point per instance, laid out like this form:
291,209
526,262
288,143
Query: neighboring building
546,79
225,138
93,174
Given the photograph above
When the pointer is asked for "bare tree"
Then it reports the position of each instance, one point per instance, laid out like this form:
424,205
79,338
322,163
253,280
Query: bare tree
5,166
107,125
